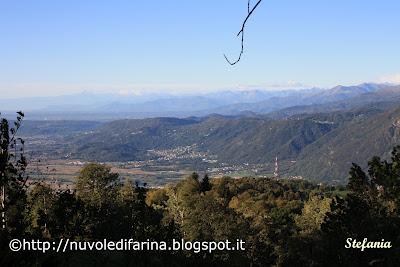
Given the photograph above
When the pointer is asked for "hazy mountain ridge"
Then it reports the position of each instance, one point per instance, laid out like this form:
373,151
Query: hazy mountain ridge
88,106
339,95
384,98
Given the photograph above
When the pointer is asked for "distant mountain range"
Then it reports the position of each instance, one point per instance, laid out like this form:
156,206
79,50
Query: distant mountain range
87,106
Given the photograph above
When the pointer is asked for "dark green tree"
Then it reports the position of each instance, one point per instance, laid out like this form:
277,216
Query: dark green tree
370,210
205,184
96,184
13,176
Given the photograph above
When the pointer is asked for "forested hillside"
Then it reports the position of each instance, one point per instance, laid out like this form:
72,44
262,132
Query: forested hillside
359,140
321,146
230,139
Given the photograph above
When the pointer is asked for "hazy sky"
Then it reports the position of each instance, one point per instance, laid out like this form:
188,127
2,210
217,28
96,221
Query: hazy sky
59,47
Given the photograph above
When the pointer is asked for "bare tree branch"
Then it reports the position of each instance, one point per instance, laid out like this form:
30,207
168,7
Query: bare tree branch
241,32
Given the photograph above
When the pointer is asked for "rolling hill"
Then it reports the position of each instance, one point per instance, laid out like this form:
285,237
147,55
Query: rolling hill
232,140
359,140
321,146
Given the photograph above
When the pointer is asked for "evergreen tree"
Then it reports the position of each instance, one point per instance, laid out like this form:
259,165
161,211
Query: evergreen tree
358,181
205,184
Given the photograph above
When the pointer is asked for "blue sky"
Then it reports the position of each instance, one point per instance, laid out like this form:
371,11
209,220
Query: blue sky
60,47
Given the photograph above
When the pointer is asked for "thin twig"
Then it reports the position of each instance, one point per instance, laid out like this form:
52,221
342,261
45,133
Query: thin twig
241,32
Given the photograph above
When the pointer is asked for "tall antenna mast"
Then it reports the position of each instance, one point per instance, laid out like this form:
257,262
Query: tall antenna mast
276,172
3,213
